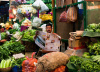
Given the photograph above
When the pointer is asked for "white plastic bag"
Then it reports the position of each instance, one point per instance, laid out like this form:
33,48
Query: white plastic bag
17,36
36,22
43,7
37,4
16,26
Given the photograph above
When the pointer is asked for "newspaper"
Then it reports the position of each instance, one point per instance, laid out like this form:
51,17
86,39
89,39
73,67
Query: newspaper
48,41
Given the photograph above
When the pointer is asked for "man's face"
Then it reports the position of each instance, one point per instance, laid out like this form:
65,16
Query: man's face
49,29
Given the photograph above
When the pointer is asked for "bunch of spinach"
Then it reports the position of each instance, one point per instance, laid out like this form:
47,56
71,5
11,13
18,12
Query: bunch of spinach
18,62
4,53
14,47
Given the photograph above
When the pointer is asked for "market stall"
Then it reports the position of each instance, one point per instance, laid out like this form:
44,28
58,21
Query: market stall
79,29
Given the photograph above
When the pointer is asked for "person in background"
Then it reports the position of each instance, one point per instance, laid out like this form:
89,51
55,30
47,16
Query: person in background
4,40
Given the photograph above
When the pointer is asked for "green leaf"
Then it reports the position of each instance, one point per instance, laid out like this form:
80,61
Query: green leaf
71,66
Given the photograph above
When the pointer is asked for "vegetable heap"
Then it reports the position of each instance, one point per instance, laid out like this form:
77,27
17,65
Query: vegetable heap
28,35
93,28
6,63
3,35
94,48
12,31
13,47
18,62
4,53
83,64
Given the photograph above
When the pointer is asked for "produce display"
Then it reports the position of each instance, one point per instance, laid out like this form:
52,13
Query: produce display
6,63
18,62
14,47
45,17
83,64
4,53
28,35
12,31
94,48
3,35
93,27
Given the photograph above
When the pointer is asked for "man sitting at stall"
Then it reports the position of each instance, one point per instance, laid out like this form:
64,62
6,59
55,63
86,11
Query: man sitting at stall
49,30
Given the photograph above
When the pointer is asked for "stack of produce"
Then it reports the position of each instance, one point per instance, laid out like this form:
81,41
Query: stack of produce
45,17
93,28
84,64
4,53
26,22
94,48
13,47
3,35
17,62
28,35
6,63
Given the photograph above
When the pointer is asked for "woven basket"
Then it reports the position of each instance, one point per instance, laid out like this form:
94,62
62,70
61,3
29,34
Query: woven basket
5,69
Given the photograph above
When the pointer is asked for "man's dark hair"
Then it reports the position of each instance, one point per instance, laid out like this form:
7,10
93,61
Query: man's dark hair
48,24
0,26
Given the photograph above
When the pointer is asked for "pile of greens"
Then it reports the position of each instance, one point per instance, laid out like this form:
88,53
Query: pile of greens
18,62
3,35
14,47
83,64
94,48
12,31
93,28
28,35
4,53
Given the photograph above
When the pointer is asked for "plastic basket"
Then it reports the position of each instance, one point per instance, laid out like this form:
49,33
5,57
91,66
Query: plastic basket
17,69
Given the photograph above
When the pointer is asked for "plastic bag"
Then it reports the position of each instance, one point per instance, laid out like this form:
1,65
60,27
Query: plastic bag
19,10
17,36
29,65
16,26
43,7
63,17
36,22
37,4
72,13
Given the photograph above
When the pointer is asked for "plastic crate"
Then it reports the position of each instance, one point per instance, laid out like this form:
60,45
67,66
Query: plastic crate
17,69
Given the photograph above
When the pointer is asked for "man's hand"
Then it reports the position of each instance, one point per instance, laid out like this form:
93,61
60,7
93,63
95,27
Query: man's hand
3,40
44,51
37,32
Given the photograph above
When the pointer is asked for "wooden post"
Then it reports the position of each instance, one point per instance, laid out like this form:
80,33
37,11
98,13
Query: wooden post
53,6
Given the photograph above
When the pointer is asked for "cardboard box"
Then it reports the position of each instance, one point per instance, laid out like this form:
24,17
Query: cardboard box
79,42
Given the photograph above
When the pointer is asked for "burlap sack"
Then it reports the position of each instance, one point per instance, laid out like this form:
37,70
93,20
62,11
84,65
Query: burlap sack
51,61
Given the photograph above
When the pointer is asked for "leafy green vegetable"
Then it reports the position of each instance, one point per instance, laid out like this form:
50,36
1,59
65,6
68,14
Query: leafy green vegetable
80,63
94,48
28,35
12,31
5,63
3,35
14,47
4,53
86,55
18,62
93,27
